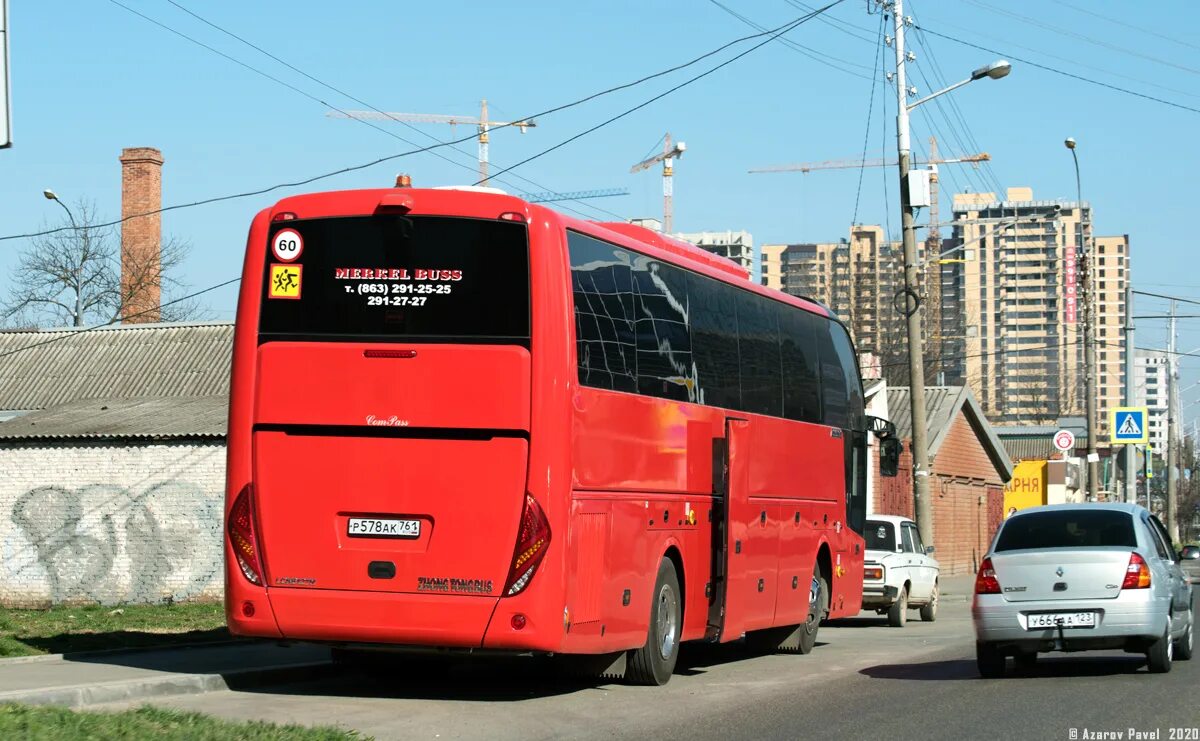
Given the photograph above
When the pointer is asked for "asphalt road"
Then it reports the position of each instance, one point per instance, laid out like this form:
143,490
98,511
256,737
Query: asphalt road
864,680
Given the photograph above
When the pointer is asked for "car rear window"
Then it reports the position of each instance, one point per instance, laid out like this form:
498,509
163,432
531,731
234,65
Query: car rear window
389,277
1069,528
880,535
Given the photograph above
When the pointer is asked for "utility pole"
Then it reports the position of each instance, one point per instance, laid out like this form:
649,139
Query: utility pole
1089,337
922,506
1172,429
1130,450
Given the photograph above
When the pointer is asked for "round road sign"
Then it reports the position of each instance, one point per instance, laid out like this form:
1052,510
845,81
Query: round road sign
287,245
1064,440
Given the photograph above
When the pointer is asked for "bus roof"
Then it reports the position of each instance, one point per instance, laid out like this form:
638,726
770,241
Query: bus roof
491,203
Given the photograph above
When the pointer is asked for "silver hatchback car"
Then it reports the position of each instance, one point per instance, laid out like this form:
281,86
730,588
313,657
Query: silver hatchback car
1080,577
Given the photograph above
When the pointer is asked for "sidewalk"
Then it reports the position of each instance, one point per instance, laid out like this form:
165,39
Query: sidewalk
958,588
79,680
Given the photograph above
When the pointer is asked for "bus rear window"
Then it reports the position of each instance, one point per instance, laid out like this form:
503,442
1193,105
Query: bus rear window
391,277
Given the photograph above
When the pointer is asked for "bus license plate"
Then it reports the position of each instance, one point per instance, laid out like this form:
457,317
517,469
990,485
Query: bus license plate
375,527
1043,620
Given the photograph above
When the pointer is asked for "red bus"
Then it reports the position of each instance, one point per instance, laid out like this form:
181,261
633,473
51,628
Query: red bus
462,421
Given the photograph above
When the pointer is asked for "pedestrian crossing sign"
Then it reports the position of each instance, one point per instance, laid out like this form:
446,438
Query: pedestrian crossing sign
1128,425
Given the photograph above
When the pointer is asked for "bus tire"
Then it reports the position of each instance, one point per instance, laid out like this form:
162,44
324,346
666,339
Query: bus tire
653,663
807,634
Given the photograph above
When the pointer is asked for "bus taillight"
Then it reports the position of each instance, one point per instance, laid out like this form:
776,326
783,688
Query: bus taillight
241,536
531,547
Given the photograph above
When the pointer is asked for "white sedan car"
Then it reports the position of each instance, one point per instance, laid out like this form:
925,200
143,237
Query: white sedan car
899,574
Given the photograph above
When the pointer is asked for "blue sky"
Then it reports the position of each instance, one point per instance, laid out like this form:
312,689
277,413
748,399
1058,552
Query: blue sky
91,78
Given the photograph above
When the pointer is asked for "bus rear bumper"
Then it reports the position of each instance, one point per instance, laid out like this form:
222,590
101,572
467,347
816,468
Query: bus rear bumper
337,616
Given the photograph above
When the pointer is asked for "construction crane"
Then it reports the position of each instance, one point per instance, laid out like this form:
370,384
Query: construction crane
933,278
482,123
670,152
931,163
576,195
807,167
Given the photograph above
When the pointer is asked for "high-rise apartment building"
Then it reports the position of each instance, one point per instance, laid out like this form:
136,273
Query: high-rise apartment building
1150,373
736,246
1012,302
859,279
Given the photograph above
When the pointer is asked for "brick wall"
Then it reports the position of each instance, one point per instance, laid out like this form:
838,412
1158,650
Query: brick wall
110,523
141,238
967,496
965,486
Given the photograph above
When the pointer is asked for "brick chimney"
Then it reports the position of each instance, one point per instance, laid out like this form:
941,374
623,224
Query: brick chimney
141,238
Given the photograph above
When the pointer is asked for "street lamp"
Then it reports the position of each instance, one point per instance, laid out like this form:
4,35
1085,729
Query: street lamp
922,505
1089,340
52,196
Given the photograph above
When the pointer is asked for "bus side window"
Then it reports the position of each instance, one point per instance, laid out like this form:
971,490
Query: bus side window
713,313
602,284
664,342
801,371
758,345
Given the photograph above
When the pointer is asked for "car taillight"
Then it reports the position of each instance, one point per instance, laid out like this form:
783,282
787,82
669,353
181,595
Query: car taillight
241,536
986,581
531,547
873,572
1137,573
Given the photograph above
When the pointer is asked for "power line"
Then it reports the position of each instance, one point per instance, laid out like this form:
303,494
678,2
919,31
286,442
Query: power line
867,134
111,322
952,102
1171,298
329,87
782,30
1129,25
389,158
813,54
1086,39
1061,72
836,23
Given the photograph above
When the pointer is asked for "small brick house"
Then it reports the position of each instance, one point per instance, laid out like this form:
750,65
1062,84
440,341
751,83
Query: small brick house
968,470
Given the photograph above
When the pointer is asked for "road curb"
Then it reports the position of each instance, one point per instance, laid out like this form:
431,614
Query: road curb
81,696
104,652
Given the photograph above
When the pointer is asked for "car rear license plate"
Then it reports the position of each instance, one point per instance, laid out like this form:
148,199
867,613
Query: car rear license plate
378,527
1043,620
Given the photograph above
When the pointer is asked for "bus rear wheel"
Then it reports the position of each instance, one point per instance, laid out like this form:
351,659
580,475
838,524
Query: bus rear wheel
653,663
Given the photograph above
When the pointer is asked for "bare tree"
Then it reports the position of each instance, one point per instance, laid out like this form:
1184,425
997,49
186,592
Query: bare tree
73,277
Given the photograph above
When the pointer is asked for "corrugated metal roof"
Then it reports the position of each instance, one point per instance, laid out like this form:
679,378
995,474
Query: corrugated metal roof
1037,447
46,368
941,404
154,417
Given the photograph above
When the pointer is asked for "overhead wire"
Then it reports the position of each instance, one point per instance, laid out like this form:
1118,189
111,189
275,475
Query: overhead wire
813,54
114,320
1083,37
867,134
1127,24
1064,73
952,103
785,29
883,92
388,158
332,88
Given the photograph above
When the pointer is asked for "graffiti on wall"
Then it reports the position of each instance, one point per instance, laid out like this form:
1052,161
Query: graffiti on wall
112,545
